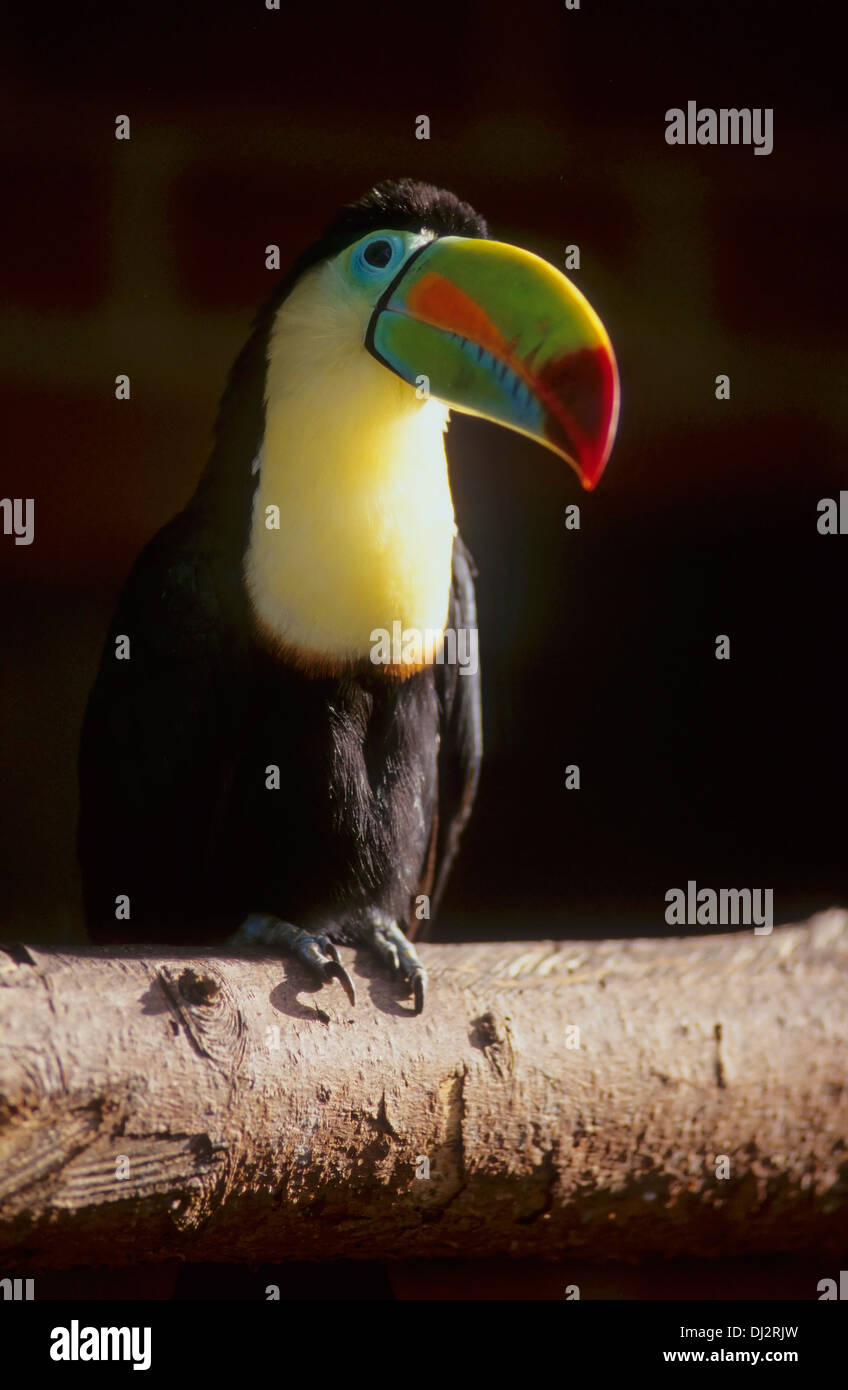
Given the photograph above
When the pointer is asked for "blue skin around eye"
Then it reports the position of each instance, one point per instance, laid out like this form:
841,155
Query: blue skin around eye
369,273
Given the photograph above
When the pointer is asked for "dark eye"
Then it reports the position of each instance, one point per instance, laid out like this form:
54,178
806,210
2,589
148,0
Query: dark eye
378,253
376,258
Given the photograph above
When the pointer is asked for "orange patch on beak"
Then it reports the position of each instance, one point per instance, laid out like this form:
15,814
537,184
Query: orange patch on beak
436,301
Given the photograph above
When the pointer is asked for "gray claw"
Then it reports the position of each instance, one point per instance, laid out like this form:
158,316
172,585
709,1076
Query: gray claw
418,983
317,952
401,957
334,970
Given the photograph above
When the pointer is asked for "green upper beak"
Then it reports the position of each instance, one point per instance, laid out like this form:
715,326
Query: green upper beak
498,332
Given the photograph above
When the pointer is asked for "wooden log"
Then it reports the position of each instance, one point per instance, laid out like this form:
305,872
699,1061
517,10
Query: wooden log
610,1099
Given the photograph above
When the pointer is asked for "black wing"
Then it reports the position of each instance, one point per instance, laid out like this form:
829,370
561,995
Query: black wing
461,747
158,741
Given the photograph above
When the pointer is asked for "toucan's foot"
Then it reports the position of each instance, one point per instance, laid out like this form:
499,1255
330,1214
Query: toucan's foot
317,952
386,938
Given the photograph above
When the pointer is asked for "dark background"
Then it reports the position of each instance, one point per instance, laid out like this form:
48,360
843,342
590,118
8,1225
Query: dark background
147,257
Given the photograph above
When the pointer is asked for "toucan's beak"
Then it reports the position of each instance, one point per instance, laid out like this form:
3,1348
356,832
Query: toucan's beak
498,332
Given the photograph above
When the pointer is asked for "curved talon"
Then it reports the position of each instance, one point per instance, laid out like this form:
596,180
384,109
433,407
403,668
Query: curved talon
396,951
334,970
316,952
418,982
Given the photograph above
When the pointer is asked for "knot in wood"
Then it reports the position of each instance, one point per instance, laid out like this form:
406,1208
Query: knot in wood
197,989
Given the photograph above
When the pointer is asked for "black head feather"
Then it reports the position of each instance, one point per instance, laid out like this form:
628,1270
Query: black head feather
398,205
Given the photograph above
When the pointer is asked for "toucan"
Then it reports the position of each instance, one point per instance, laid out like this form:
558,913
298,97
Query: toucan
259,761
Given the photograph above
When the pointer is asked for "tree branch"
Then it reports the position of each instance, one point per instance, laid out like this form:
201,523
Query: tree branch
159,1104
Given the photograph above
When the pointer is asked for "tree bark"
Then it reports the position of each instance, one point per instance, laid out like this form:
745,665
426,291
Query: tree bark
610,1099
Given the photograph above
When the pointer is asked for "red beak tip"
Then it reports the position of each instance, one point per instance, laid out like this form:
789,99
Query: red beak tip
591,475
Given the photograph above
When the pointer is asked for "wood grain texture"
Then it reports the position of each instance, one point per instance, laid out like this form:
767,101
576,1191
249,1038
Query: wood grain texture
162,1104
